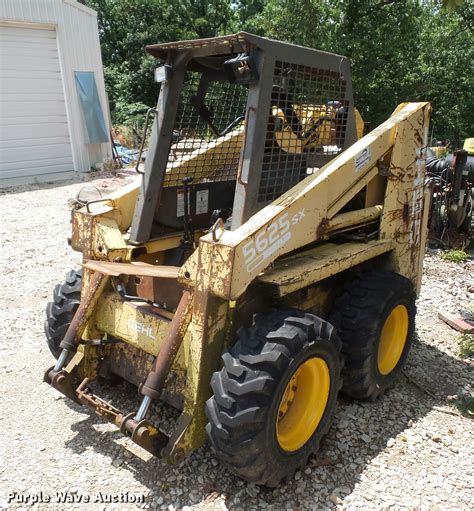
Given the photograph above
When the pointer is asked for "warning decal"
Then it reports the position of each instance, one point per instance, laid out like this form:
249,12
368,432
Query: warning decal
362,159
202,202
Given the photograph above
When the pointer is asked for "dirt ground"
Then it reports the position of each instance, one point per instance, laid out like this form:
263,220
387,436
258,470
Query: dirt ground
412,449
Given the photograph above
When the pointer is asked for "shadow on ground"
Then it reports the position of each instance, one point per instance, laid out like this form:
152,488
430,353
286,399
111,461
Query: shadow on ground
360,432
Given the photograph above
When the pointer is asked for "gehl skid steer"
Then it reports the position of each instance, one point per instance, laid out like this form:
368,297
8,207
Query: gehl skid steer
265,244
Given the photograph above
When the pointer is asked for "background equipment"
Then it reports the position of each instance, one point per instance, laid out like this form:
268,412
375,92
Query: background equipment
452,180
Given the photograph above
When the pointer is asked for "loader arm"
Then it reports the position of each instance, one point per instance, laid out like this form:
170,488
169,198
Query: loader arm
301,215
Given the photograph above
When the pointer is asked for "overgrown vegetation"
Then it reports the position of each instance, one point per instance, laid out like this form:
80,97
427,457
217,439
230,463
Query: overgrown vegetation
466,345
455,256
401,50
465,404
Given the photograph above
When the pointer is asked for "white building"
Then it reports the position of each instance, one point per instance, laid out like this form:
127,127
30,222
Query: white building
54,122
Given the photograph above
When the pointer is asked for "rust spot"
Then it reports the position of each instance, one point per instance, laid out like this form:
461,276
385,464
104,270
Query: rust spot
418,137
84,312
406,213
322,227
156,378
159,290
394,215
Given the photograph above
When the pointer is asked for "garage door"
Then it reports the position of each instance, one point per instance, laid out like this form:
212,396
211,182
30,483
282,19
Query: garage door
34,134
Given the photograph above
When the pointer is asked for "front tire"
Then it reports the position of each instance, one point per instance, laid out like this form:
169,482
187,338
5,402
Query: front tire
59,312
275,397
375,319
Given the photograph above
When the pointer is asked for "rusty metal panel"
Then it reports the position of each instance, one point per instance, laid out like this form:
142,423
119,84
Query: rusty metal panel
130,363
206,331
402,219
132,322
311,266
159,290
135,268
223,44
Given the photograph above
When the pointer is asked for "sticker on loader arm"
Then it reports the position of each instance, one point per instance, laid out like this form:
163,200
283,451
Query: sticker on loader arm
362,159
268,241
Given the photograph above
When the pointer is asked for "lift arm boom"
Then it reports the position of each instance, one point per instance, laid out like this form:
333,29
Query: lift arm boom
301,215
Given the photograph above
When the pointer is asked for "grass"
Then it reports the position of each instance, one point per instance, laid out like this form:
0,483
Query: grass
465,404
466,345
455,256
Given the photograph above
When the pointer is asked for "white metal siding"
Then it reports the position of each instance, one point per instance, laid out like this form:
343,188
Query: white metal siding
34,132
78,50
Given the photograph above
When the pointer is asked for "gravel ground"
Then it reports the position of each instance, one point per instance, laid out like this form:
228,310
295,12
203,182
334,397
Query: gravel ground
410,450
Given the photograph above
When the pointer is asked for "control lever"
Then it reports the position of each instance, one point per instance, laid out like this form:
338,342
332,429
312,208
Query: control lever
187,242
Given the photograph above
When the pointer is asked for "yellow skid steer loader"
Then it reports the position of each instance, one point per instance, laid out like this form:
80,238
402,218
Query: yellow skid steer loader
263,244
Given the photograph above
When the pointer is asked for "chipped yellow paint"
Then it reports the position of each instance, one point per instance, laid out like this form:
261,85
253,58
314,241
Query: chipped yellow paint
98,237
108,240
403,219
296,218
132,322
303,270
119,205
206,341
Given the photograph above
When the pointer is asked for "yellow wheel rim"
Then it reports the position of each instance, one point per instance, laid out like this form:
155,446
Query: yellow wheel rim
392,339
303,403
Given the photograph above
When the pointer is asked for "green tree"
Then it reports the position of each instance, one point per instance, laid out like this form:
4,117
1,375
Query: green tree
401,50
127,26
382,40
446,60
310,23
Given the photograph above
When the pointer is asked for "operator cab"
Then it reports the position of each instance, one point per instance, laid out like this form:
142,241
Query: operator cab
240,120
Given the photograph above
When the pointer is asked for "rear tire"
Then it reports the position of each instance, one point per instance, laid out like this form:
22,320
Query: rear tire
375,319
275,397
59,312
